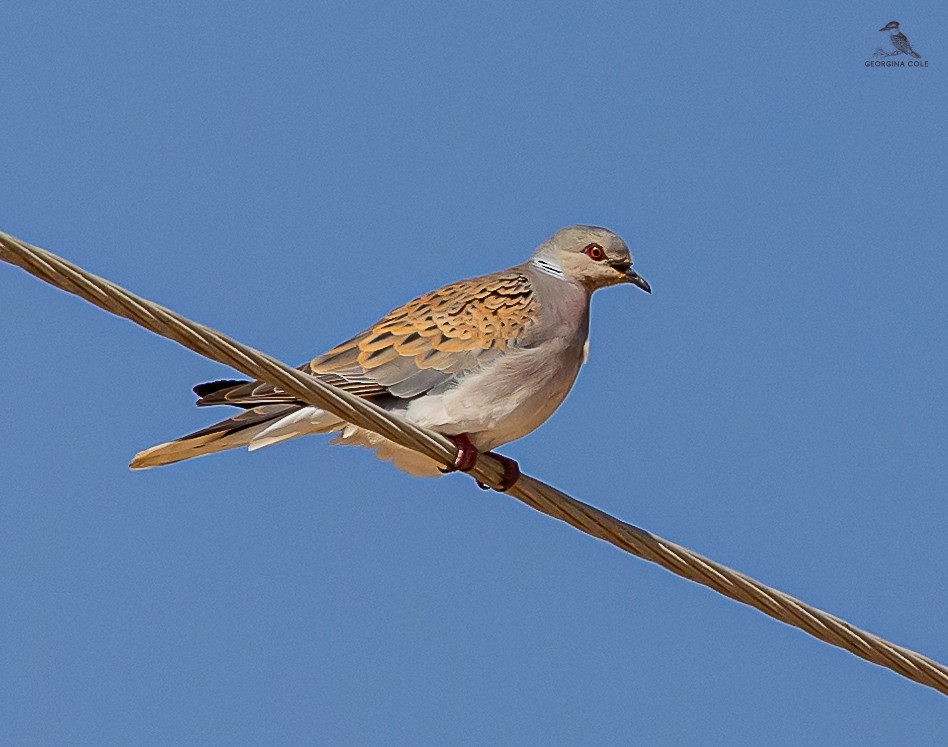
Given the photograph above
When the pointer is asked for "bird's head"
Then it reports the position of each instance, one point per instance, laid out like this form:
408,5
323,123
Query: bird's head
593,256
890,26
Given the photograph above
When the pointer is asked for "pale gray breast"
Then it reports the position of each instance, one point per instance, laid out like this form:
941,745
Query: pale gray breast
563,311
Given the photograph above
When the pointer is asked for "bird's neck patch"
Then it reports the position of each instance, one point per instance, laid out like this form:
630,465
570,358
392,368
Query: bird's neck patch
548,266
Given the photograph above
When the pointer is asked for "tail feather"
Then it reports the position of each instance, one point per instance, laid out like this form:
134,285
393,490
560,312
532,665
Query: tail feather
228,434
269,424
304,421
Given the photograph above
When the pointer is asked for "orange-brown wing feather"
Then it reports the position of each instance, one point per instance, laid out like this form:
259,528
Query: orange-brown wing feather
415,347
438,335
255,393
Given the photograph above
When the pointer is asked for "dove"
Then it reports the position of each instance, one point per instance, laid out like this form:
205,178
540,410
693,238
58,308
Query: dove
483,361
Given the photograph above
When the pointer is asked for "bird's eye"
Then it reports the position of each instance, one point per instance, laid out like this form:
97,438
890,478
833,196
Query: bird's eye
595,252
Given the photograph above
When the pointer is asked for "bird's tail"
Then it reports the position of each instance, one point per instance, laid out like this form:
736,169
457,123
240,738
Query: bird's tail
914,53
228,434
270,424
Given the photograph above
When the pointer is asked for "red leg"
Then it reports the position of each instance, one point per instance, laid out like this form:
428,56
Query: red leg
511,471
467,458
467,454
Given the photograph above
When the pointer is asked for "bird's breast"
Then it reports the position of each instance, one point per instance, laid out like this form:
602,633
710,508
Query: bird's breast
505,399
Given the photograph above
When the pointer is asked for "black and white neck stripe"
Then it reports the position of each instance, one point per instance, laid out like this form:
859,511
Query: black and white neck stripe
548,266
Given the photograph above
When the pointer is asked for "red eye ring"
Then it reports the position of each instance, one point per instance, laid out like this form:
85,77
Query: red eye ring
595,252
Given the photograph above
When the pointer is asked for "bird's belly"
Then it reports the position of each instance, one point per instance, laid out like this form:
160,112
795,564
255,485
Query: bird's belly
503,401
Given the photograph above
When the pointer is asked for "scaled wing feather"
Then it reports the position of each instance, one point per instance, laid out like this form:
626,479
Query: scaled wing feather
414,348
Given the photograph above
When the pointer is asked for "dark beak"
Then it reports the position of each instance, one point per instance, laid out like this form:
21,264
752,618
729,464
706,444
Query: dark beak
630,276
633,277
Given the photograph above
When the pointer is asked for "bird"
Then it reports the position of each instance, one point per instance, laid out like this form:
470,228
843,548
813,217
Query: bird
483,361
898,39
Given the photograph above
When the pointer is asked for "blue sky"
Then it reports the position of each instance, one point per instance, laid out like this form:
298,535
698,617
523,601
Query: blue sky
289,172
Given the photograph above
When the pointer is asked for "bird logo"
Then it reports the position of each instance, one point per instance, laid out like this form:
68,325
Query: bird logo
899,41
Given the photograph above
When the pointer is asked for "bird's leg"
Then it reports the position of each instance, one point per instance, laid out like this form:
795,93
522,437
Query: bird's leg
467,458
467,454
511,472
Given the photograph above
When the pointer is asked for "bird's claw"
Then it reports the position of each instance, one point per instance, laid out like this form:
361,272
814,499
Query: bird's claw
511,472
467,459
467,455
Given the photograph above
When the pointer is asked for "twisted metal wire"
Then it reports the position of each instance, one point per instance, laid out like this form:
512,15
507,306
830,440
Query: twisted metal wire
534,493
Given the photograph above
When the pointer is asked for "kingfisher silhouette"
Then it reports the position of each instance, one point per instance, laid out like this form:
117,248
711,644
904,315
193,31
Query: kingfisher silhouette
899,40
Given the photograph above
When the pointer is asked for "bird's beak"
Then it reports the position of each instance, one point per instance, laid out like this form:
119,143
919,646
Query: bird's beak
633,277
884,28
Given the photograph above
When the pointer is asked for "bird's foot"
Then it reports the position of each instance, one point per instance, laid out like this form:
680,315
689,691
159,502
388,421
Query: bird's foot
467,455
511,473
467,459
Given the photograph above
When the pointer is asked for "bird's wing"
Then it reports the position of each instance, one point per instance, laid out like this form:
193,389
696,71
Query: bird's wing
414,348
255,393
900,42
908,47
